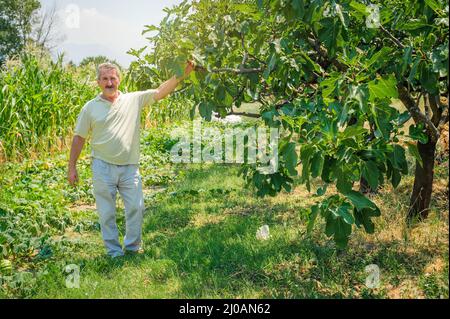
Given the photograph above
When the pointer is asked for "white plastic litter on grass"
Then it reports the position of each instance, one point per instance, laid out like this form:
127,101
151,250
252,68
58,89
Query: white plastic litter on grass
263,233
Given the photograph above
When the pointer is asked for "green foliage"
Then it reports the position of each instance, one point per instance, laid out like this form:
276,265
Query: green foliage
322,74
33,217
142,75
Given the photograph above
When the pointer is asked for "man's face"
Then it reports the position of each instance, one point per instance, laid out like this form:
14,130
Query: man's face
108,82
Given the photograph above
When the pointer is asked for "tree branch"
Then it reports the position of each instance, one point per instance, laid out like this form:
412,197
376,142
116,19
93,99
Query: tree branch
257,59
418,97
394,39
253,115
231,70
239,93
437,111
426,105
322,51
416,114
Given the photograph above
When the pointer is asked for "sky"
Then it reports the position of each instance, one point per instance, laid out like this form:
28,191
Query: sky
102,27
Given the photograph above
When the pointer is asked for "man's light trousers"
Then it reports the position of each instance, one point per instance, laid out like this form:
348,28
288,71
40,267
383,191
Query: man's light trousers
108,179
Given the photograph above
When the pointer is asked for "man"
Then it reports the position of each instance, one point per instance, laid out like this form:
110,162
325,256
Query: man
113,118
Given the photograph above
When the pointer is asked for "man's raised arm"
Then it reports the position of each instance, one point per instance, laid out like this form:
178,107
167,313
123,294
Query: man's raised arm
167,87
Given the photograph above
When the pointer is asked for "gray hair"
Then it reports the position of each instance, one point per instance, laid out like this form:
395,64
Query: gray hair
108,66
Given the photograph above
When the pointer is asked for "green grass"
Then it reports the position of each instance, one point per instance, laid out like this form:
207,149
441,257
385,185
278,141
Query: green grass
199,239
204,246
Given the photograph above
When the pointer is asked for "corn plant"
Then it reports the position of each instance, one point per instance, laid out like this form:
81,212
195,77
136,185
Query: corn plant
39,103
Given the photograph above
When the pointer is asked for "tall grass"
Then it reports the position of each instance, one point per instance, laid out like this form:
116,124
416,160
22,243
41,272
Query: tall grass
39,102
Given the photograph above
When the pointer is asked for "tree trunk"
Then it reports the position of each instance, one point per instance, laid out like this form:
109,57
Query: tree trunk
423,183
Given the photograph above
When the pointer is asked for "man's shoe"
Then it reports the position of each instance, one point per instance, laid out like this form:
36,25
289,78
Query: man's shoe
140,251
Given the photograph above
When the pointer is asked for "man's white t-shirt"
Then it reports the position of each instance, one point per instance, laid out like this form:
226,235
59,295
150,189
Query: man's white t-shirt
114,126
